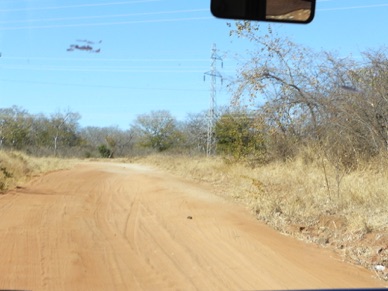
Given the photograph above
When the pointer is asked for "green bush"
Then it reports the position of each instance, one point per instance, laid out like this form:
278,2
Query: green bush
104,151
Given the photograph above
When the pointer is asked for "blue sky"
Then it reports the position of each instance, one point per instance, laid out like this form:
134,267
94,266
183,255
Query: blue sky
154,53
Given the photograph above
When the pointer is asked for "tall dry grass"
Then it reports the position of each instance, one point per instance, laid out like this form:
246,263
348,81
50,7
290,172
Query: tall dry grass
17,167
307,197
296,191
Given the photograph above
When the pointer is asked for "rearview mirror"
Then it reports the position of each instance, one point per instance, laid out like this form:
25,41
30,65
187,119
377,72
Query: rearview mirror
294,11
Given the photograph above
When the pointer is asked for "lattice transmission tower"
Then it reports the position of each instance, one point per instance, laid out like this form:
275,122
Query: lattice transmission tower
211,115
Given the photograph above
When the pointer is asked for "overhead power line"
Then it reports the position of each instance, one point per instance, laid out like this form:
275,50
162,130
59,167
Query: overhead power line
100,86
106,23
105,16
353,7
103,69
79,6
106,60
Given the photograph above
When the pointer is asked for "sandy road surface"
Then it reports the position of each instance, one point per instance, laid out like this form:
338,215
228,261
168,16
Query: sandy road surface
122,227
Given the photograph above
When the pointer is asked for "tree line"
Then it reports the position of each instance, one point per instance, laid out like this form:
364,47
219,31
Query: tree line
60,134
285,98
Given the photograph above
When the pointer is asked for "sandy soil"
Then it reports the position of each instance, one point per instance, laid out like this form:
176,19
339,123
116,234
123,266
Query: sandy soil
124,227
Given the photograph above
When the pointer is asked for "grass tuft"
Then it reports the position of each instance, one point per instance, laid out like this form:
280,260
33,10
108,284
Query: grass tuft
17,168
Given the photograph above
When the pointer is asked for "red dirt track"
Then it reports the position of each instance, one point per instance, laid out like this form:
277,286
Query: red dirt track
112,226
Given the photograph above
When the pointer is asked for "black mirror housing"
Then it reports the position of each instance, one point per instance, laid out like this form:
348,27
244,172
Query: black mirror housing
290,11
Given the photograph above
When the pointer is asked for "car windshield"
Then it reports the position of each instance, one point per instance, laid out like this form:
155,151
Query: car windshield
215,122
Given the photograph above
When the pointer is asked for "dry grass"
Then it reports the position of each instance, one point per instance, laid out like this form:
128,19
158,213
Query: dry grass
345,211
16,168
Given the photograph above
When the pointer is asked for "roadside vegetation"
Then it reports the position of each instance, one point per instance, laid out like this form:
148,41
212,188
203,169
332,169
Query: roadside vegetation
17,168
293,197
304,143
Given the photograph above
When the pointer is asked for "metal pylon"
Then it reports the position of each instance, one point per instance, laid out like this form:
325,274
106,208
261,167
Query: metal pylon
211,115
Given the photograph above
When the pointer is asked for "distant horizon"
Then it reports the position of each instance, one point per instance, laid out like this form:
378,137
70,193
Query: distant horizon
152,55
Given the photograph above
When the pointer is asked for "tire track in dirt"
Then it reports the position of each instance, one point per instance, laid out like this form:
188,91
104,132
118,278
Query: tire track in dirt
104,226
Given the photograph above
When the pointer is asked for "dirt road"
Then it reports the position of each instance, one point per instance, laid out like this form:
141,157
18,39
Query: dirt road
126,227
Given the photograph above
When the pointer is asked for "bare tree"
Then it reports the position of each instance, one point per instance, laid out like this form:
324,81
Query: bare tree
194,130
64,126
15,124
157,130
118,141
319,97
